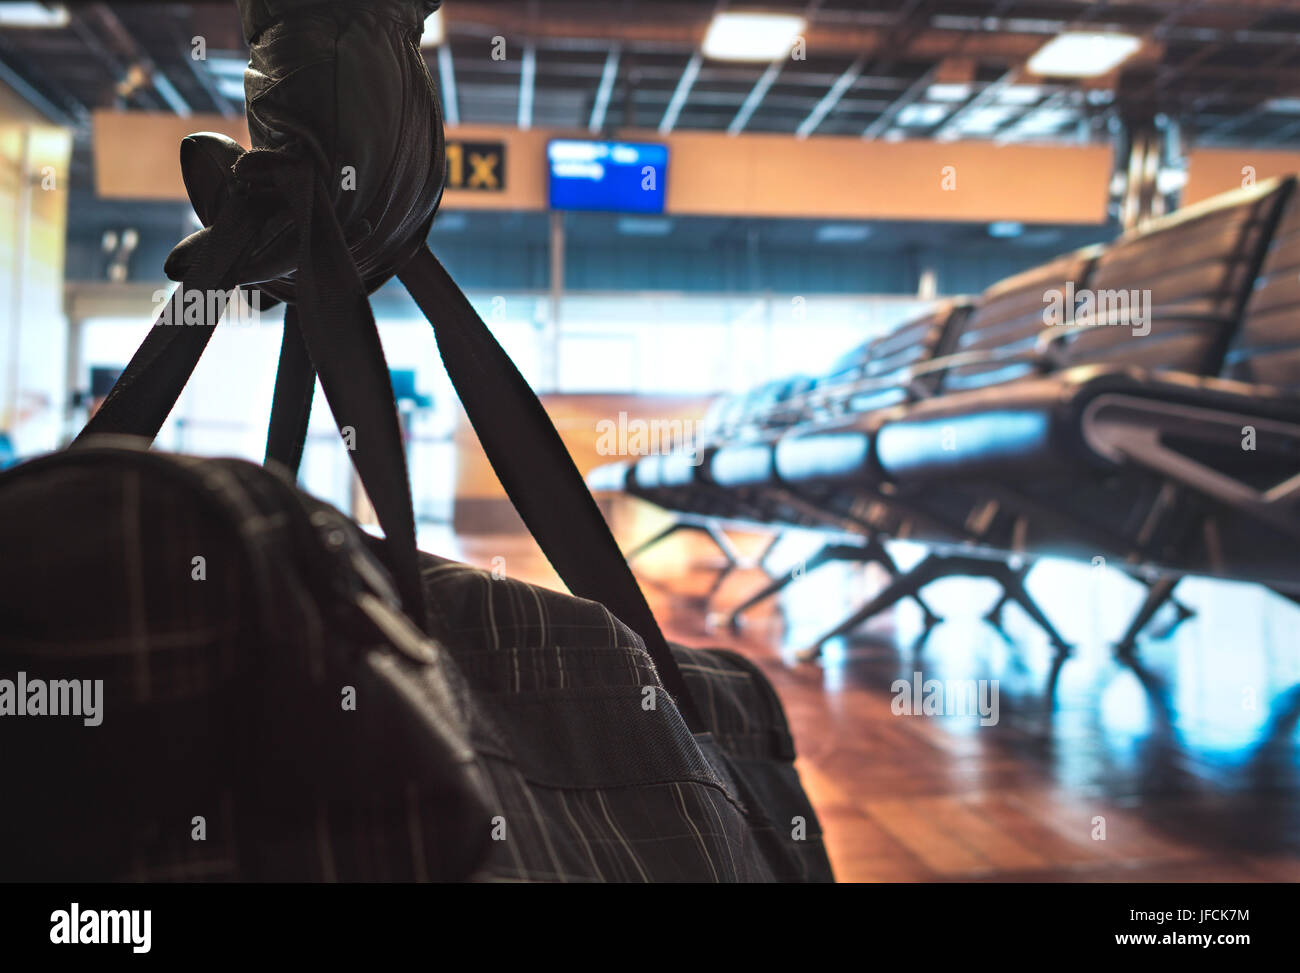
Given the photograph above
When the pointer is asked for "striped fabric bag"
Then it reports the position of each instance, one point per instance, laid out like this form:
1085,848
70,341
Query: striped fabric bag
212,676
253,705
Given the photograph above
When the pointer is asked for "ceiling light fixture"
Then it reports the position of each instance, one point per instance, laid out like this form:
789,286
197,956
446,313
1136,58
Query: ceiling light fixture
737,36
922,115
1080,54
33,15
947,91
1020,94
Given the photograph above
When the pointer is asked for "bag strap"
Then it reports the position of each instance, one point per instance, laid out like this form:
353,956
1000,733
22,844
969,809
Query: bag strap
147,390
295,385
337,332
534,466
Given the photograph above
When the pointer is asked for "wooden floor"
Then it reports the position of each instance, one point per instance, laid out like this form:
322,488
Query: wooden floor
1183,768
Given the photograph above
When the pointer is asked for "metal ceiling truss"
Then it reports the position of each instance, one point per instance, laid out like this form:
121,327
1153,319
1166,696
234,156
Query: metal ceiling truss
1227,70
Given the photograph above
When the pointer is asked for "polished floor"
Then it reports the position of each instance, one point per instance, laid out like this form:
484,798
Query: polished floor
1183,767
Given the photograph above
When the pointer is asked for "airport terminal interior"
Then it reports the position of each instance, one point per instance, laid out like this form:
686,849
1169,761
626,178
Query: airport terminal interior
936,356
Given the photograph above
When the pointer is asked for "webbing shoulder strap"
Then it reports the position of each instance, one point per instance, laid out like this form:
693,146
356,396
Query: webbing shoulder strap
147,389
338,332
534,466
295,384
334,332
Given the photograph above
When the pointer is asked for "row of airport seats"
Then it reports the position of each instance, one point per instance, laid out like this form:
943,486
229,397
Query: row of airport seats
1135,402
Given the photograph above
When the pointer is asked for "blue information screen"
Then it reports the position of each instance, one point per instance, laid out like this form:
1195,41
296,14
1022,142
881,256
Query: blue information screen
612,177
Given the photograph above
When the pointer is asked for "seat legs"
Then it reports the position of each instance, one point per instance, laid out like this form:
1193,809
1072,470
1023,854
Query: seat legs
1159,591
873,551
768,548
903,586
1013,589
994,615
650,542
720,540
714,533
777,584
723,542
1182,611
931,568
1158,594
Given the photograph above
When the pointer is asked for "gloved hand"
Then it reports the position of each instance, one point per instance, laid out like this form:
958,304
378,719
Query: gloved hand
336,91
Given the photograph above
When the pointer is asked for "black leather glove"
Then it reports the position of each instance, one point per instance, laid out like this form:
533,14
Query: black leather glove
336,91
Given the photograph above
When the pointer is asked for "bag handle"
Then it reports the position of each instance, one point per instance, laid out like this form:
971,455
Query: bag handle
534,466
338,329
295,385
147,390
332,328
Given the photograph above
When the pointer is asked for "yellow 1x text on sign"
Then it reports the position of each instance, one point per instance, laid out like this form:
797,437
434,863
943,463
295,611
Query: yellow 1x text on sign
479,166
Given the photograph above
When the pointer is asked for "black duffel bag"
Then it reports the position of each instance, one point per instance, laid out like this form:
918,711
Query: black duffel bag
282,696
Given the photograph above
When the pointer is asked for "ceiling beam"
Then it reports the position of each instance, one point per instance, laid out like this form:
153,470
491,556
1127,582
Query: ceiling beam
30,94
676,28
139,61
607,78
681,93
1268,68
830,99
167,91
198,70
1237,121
990,91
1058,99
949,127
447,84
527,84
755,97
766,80
117,71
915,90
1282,134
907,25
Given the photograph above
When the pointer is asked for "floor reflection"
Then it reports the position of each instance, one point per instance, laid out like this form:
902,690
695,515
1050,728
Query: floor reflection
1181,764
